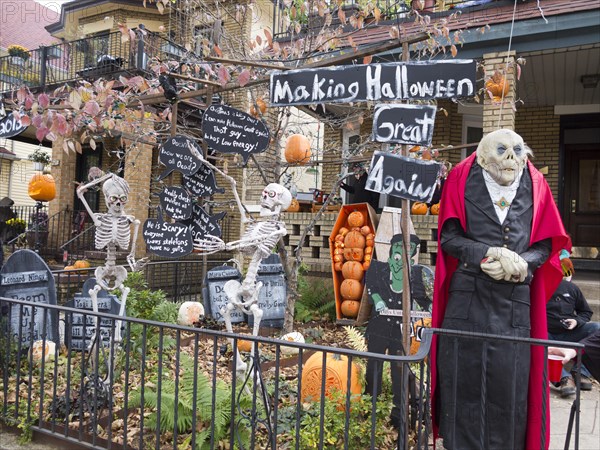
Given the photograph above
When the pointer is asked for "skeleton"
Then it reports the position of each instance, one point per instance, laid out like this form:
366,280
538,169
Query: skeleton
258,241
113,230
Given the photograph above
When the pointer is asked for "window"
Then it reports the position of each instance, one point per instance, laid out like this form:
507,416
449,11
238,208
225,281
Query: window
472,133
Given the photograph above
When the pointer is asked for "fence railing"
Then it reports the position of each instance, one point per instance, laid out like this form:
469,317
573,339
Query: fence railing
168,386
87,58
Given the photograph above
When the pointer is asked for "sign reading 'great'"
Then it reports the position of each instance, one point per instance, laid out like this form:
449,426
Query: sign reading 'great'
394,81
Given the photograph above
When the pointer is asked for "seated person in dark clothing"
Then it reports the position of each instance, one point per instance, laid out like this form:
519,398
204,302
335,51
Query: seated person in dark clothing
357,191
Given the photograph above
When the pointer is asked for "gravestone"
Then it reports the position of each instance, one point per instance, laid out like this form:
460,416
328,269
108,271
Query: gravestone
214,295
26,277
78,335
272,298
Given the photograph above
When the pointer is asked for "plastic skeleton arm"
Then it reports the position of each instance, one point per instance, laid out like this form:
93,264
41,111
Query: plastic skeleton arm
82,189
133,264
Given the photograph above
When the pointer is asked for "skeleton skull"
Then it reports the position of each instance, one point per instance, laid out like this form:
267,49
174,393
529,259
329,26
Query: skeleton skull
503,154
116,191
275,198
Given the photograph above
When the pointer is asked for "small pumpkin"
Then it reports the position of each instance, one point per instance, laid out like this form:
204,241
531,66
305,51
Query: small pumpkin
294,206
351,289
343,231
350,308
244,345
497,86
294,336
336,376
415,340
262,107
356,219
69,268
42,187
353,270
354,239
435,209
297,149
81,264
338,266
354,254
365,230
419,208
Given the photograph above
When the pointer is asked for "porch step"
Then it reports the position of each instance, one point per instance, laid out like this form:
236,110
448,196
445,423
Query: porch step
589,283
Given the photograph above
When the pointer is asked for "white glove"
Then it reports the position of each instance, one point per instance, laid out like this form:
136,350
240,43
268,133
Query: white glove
493,268
515,267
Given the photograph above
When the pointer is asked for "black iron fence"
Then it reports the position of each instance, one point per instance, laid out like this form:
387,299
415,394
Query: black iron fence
167,386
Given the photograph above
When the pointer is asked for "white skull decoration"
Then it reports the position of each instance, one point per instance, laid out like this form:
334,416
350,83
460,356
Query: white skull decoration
503,154
116,191
275,198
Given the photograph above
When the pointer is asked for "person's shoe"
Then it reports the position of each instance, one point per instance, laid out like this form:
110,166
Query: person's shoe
585,383
567,387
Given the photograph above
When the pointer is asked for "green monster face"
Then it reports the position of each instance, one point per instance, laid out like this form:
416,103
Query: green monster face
396,261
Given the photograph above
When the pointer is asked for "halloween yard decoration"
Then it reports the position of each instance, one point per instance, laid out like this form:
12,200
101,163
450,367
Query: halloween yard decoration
257,242
493,275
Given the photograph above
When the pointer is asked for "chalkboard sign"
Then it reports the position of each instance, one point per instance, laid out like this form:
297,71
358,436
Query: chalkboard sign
203,223
26,277
202,183
166,239
404,124
228,130
214,295
176,202
175,154
10,127
403,177
420,80
77,334
272,298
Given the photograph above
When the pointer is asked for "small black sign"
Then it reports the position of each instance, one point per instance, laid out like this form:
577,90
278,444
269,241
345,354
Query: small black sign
176,202
377,82
166,239
202,183
203,223
228,130
403,177
404,124
175,154
214,295
26,277
272,298
79,328
10,127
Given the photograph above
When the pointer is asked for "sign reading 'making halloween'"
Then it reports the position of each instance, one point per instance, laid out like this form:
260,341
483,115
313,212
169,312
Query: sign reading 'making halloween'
377,82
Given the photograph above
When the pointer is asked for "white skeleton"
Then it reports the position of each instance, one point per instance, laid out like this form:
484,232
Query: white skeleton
258,241
113,230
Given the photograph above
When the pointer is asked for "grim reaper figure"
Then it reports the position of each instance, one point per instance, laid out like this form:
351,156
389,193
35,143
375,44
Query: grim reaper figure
499,225
257,242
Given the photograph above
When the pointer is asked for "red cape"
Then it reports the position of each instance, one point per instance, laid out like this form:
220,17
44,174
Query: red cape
547,224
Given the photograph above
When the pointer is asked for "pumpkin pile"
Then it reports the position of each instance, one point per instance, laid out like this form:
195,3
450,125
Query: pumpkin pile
352,254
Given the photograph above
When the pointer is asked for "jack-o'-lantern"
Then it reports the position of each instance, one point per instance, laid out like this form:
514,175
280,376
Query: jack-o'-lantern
297,149
435,209
336,376
497,86
354,239
419,208
294,206
42,187
356,219
350,308
353,270
351,289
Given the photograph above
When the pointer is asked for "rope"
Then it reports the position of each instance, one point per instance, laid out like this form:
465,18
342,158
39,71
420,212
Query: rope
512,26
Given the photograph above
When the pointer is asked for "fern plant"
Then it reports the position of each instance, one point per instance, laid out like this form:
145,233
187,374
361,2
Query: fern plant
316,299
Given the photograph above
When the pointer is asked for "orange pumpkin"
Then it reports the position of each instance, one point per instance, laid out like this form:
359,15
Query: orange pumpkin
354,239
497,86
353,270
262,107
69,267
343,231
42,187
356,219
354,254
297,149
336,376
367,264
418,208
415,340
365,230
338,266
81,264
351,289
294,206
350,308
244,345
435,209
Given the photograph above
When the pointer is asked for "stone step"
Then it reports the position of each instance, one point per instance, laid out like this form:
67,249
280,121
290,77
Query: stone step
589,283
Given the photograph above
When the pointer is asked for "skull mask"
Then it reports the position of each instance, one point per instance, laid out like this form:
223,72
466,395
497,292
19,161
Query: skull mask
116,190
503,154
275,198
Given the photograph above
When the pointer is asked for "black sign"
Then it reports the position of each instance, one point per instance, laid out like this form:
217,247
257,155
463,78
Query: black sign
203,223
202,183
228,130
79,328
272,298
166,239
175,154
403,177
377,82
10,127
26,277
215,298
404,124
176,202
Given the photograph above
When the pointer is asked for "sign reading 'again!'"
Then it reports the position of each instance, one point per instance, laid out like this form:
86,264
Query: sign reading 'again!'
379,82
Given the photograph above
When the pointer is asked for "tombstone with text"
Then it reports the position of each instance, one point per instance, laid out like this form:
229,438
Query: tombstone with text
214,295
79,327
272,298
26,277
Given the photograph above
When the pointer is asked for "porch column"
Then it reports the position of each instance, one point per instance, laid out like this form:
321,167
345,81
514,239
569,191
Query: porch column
64,176
499,114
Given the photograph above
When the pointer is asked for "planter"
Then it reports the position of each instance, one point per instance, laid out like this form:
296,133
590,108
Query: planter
54,52
38,166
